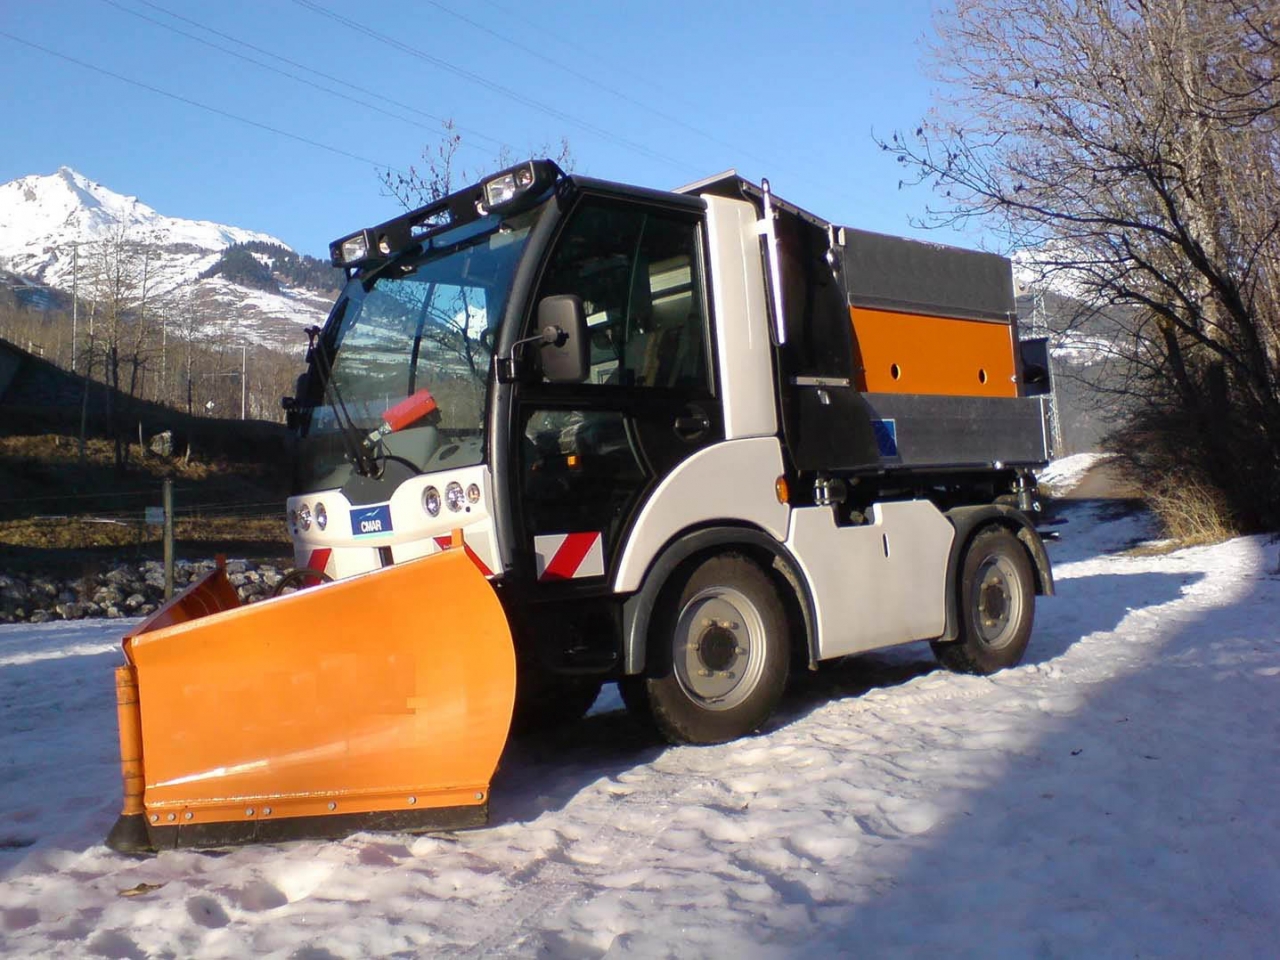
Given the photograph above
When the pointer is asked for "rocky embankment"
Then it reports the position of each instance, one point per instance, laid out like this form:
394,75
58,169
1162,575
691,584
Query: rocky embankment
120,590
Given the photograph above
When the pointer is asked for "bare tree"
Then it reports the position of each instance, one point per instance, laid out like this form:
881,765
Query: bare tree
1133,147
453,319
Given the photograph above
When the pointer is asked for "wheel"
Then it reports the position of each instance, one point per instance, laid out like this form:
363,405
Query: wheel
545,701
997,605
719,654
300,578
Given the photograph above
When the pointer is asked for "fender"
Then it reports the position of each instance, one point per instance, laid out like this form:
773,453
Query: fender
967,521
637,609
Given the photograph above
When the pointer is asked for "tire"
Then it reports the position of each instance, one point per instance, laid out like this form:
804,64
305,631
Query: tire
719,654
997,600
300,579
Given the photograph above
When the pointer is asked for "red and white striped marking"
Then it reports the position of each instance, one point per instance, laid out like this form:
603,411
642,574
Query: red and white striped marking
444,543
319,559
568,556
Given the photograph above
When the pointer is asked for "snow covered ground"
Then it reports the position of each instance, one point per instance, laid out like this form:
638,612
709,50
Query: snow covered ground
1115,796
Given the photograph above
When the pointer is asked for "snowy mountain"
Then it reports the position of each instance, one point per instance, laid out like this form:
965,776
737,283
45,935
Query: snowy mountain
53,227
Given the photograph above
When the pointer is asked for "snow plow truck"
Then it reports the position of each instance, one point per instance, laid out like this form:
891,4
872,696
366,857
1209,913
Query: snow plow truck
558,431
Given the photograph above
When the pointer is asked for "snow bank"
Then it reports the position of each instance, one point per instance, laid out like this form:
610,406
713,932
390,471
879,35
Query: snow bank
1061,476
1113,796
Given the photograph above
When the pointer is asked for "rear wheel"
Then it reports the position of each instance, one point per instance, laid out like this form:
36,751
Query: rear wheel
719,653
997,606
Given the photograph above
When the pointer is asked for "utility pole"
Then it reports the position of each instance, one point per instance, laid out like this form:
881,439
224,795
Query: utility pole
244,382
75,300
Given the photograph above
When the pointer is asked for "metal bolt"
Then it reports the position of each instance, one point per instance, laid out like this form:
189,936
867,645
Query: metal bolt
266,811
332,805
704,673
248,811
479,795
172,817
155,818
740,651
730,675
412,801
708,622
188,815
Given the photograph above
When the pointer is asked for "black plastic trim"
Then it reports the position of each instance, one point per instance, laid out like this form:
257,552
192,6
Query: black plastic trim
637,609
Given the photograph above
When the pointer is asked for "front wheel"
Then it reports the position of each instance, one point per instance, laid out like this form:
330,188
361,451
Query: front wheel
997,606
720,654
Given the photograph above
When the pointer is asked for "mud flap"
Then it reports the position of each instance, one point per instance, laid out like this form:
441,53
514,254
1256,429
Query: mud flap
382,701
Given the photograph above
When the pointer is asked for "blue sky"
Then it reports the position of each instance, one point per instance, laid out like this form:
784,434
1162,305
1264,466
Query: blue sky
656,93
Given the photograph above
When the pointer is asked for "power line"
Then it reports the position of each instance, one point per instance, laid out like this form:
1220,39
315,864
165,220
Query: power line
196,103
476,134
621,95
488,84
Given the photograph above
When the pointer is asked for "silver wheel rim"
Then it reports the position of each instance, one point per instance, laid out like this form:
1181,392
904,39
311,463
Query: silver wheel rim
719,648
997,601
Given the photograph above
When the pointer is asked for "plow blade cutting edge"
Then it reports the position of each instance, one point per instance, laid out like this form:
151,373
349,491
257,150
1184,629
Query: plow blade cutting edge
379,702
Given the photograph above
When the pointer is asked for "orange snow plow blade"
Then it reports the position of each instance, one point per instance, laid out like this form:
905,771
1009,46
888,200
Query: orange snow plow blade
379,702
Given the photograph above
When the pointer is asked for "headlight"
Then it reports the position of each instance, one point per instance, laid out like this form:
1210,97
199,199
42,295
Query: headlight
454,496
499,190
431,501
304,517
473,493
322,516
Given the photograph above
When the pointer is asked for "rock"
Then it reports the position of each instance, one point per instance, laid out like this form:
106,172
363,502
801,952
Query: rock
70,611
162,443
134,601
112,612
147,609
40,616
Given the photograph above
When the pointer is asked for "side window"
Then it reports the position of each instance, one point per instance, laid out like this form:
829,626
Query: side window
637,272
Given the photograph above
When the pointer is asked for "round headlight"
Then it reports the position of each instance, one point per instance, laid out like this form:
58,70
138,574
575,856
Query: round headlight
431,501
322,516
454,496
473,493
304,517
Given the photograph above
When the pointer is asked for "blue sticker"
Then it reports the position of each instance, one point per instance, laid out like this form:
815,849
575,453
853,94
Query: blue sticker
886,437
371,521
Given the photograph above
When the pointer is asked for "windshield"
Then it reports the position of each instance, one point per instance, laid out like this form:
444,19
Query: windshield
429,323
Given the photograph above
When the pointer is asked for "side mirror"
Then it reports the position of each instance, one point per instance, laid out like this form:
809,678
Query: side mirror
563,323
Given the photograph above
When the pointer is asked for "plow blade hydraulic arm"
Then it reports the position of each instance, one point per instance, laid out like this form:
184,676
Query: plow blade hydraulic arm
378,702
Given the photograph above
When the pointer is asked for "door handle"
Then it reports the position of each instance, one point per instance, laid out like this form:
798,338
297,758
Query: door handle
692,425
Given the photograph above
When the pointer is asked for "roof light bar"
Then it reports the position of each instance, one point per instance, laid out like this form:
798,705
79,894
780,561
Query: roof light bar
505,193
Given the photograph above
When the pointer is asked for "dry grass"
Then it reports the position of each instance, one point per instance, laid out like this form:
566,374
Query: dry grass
52,504
1191,512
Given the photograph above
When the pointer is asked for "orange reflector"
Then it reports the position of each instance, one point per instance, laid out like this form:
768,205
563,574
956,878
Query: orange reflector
781,490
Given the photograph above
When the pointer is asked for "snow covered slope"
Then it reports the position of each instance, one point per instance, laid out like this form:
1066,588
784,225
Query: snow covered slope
1115,796
44,218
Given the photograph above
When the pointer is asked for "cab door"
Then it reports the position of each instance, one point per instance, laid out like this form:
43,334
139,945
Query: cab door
589,452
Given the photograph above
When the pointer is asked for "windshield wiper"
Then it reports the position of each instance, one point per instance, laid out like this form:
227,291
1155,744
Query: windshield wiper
352,439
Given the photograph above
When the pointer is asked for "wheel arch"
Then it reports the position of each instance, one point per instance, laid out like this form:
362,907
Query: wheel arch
968,522
693,545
